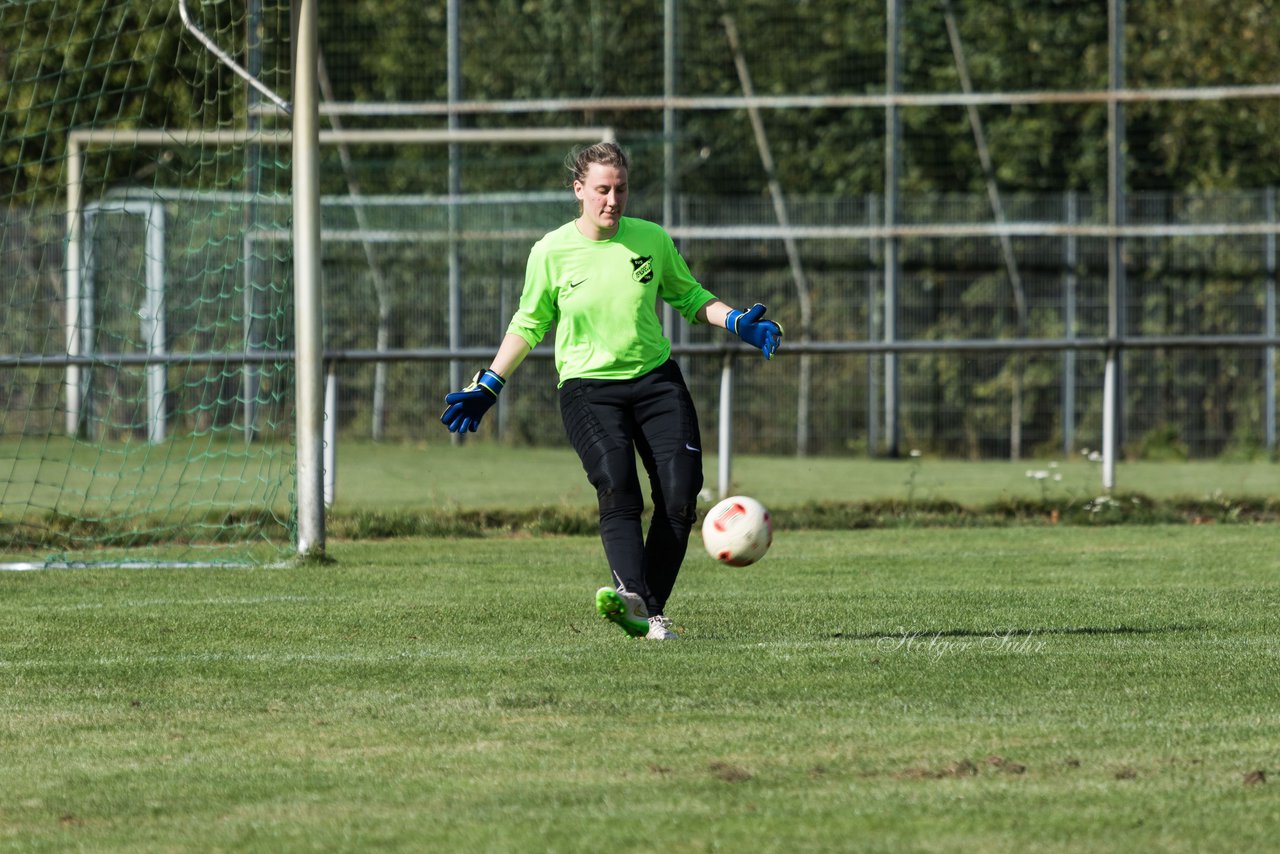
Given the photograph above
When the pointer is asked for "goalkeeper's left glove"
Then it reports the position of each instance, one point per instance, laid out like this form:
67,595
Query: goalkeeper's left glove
465,408
764,335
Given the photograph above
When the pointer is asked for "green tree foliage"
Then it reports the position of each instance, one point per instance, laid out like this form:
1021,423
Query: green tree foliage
75,63
67,64
1210,144
70,64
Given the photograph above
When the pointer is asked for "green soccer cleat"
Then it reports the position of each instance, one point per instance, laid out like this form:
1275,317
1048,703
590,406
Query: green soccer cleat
624,608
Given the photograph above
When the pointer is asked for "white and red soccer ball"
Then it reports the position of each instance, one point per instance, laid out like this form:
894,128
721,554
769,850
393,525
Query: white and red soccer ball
737,531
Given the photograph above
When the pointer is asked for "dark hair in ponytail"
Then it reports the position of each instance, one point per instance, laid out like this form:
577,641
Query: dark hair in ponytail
605,153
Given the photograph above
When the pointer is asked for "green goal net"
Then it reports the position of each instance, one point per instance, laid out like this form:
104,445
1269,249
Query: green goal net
146,406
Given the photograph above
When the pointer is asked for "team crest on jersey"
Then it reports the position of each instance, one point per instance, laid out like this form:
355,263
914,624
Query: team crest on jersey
642,269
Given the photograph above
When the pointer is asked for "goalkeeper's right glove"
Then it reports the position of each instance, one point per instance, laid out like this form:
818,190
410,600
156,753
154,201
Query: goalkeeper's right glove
464,409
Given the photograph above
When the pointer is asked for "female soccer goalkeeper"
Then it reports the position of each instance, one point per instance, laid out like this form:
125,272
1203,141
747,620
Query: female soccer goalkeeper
597,279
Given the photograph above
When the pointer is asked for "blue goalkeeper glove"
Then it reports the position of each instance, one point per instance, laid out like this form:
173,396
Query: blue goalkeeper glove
764,335
464,409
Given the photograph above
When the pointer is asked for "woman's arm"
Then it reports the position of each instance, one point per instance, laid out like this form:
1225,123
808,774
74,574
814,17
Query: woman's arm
714,313
511,353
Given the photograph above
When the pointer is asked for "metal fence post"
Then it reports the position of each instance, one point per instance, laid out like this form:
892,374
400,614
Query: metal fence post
1113,384
892,169
454,84
873,331
1270,309
330,433
1070,283
725,440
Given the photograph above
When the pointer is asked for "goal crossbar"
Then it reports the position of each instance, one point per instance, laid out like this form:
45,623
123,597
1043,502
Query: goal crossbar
349,136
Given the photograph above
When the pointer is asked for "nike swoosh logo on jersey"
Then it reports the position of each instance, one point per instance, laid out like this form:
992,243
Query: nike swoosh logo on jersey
575,284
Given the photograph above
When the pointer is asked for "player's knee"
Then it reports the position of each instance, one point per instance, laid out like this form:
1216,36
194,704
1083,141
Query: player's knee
619,503
680,487
617,489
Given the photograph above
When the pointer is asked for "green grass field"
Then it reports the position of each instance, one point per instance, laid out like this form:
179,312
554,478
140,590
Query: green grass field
986,689
68,503
221,473
481,475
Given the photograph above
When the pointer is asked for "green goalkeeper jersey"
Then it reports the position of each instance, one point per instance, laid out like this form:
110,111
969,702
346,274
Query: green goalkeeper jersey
602,296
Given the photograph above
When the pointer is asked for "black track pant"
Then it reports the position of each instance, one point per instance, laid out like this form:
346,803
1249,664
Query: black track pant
609,422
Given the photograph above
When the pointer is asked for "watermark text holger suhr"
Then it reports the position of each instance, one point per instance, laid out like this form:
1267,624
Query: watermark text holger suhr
938,645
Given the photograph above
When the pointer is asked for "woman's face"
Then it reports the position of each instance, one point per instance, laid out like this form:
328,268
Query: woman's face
603,193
